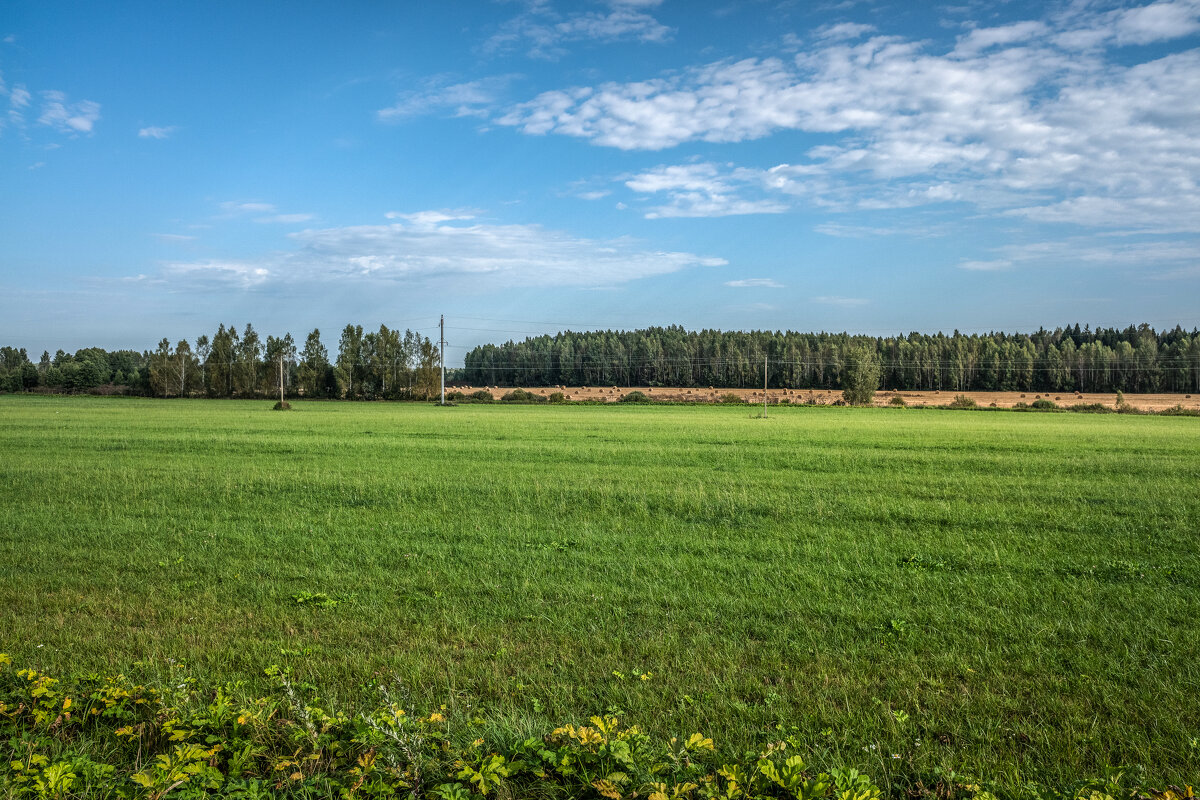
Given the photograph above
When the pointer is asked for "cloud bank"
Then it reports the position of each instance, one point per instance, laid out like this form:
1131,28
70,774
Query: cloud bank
1045,120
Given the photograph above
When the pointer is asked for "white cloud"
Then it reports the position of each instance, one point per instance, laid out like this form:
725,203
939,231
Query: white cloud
986,266
19,97
67,117
439,96
755,283
702,204
156,132
231,207
212,275
1158,22
430,219
1010,119
843,30
1160,258
700,190
435,246
844,231
843,302
545,32
982,39
287,218
173,237
702,177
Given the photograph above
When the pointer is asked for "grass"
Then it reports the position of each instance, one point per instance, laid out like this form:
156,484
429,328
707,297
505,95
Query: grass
1012,596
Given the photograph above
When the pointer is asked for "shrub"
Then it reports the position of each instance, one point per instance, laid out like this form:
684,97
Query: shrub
1179,411
962,401
1091,408
522,396
1045,404
281,405
634,397
897,400
730,398
481,396
557,397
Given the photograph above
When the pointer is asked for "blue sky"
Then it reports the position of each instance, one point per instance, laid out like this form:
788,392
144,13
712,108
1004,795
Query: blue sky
523,167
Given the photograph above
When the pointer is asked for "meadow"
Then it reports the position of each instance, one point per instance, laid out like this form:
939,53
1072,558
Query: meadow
1009,596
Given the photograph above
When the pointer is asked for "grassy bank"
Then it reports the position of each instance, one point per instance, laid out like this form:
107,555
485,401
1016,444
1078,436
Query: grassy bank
1004,595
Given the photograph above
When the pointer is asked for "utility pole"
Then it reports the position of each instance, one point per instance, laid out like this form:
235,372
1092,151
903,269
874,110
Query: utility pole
281,377
442,342
764,387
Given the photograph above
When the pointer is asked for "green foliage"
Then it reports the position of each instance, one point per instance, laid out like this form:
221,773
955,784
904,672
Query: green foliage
1179,411
477,396
860,375
1090,408
1135,359
897,400
557,398
316,599
1043,404
961,401
112,738
634,397
109,737
522,396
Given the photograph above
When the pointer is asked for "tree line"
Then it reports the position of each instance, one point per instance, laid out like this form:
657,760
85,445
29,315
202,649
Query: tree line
388,364
371,365
1136,359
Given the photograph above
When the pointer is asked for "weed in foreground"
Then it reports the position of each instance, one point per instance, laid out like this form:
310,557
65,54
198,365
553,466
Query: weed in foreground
111,738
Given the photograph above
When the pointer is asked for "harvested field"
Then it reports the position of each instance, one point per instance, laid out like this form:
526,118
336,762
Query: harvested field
1143,402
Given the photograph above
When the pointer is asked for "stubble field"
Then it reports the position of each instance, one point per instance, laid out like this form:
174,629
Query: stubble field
1008,595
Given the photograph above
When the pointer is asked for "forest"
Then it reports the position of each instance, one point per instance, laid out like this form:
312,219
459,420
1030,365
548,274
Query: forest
1136,359
388,364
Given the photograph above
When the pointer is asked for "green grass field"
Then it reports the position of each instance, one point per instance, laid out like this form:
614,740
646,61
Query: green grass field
1007,595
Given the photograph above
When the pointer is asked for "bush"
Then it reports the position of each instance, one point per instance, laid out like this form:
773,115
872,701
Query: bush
730,399
522,396
962,401
1044,404
634,397
481,396
557,397
897,400
1091,408
1179,411
282,405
